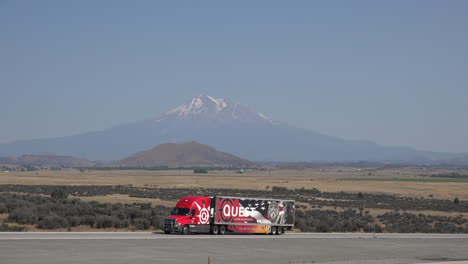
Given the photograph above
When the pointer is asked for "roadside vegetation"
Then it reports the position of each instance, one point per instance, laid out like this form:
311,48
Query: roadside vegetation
314,197
54,213
453,175
56,207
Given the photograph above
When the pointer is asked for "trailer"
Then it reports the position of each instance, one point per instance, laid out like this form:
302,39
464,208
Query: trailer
221,214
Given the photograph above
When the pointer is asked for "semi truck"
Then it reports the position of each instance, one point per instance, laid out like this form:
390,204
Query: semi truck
220,214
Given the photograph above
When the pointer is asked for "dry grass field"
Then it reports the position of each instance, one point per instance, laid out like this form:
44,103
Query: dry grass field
406,182
326,179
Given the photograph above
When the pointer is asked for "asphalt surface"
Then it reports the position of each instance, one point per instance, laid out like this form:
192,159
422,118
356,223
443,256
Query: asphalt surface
144,247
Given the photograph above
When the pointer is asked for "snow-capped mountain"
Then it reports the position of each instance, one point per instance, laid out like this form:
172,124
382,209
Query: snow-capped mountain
218,109
226,126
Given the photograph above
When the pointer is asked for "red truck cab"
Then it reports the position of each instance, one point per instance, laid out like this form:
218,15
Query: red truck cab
190,213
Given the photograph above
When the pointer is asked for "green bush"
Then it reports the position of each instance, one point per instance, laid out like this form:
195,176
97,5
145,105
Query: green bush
3,208
141,223
52,222
4,227
23,215
279,189
105,221
59,194
88,220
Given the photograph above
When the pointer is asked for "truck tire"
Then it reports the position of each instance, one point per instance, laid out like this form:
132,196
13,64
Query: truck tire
280,230
185,230
167,232
214,230
273,230
222,230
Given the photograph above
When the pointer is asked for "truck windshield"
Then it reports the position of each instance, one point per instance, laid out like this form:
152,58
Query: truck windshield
180,211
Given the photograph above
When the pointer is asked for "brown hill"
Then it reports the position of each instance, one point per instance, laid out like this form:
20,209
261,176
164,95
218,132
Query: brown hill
47,160
190,154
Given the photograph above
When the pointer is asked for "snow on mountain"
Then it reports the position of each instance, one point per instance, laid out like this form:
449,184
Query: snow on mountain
219,109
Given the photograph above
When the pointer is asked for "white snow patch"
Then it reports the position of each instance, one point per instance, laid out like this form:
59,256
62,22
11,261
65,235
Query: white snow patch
212,99
195,106
264,117
220,103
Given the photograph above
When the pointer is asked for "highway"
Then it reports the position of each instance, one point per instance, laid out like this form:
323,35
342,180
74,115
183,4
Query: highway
146,247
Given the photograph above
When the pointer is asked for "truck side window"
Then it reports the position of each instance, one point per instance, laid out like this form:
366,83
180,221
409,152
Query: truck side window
192,213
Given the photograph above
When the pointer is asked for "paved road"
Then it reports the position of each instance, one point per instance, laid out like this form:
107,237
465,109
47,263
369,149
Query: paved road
141,247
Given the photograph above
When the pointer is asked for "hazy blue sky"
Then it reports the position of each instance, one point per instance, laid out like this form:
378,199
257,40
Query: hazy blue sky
394,72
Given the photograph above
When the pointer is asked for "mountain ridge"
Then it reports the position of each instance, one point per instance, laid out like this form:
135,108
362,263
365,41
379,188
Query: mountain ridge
47,160
232,127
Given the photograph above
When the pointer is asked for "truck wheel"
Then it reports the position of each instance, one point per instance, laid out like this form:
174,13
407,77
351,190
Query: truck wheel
280,230
214,230
185,230
273,230
222,230
167,232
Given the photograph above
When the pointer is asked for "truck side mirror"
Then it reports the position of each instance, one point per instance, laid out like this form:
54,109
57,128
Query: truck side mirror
192,213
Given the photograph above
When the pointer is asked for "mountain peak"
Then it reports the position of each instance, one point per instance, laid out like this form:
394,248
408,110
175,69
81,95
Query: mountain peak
199,104
211,108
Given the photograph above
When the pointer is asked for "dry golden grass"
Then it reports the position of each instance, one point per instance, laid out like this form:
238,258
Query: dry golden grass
3,216
322,179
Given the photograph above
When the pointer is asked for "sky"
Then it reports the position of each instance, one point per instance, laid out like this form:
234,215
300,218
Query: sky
393,72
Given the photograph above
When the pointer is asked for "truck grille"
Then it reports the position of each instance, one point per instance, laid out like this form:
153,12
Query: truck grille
169,223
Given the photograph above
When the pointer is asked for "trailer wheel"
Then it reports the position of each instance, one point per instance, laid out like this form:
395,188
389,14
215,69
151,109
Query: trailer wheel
280,230
167,232
214,230
185,230
275,230
222,230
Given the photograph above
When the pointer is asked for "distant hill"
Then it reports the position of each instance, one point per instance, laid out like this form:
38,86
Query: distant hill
47,160
191,154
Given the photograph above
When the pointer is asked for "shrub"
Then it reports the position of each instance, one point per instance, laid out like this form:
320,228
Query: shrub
143,206
279,189
59,194
52,222
73,221
200,171
4,227
3,208
87,220
105,221
134,212
141,223
120,223
23,215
